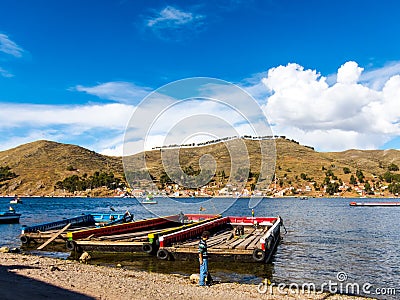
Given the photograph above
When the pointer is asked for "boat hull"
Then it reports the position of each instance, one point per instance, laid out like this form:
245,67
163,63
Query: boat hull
375,204
235,239
9,218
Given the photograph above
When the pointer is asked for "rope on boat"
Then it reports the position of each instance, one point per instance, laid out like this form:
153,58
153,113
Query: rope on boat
283,225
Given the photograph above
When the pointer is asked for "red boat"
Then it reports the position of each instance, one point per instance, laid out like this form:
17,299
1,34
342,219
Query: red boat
374,203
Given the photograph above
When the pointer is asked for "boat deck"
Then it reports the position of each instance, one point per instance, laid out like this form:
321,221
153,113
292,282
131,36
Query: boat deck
40,237
226,239
237,239
126,242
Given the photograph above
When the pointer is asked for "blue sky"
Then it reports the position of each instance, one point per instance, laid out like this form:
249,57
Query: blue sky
324,72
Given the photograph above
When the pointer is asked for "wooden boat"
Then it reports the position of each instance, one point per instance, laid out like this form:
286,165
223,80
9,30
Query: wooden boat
140,236
374,203
247,239
43,232
111,219
9,217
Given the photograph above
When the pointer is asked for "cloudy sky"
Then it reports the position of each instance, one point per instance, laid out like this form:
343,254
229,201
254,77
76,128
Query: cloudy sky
325,73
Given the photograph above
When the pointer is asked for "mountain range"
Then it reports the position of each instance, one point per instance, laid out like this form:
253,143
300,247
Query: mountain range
39,165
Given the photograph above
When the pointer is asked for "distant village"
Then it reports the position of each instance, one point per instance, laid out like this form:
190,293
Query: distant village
332,186
282,183
343,190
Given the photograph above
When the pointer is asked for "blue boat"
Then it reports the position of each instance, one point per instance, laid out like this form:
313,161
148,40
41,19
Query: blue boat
9,217
83,220
111,219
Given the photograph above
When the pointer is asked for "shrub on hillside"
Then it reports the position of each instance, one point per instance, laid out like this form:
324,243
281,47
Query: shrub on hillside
393,167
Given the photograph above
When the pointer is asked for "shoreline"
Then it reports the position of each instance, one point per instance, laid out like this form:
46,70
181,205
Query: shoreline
213,197
43,277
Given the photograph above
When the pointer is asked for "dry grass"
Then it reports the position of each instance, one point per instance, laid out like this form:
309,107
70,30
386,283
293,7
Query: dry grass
39,165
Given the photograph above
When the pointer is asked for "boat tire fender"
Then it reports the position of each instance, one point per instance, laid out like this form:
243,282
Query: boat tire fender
25,239
148,248
162,254
258,255
70,245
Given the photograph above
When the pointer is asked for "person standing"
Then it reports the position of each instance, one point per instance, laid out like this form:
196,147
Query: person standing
203,257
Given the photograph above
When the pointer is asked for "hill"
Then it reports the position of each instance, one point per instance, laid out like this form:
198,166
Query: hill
38,166
298,170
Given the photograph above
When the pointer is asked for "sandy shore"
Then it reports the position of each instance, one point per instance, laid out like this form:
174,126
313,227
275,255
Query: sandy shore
33,277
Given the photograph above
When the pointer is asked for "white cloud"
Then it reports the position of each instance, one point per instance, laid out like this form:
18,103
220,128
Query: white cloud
5,73
349,73
171,17
112,116
9,47
85,125
332,117
204,109
348,113
124,92
377,78
255,87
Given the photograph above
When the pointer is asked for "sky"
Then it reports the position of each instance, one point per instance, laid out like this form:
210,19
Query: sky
324,73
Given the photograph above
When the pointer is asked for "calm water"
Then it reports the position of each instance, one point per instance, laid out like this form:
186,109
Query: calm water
325,236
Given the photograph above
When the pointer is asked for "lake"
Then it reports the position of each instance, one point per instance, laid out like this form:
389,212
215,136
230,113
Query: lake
324,237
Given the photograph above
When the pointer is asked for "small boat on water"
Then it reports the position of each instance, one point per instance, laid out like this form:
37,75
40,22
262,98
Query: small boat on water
9,217
111,219
149,200
375,204
304,198
16,200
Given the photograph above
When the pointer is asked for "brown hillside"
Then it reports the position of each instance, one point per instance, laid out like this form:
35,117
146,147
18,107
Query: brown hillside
292,160
39,165
374,161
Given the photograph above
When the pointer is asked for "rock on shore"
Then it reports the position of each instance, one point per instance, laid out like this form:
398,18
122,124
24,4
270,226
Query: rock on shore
33,277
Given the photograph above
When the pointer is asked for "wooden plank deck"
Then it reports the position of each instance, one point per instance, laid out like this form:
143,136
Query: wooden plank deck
54,236
40,236
225,241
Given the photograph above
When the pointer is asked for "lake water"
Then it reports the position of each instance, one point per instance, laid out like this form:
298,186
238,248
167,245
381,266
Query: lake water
324,237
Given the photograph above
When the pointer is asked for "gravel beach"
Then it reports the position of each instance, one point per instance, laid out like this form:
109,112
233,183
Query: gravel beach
33,277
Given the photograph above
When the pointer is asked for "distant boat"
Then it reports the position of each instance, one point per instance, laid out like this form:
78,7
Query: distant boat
149,200
304,198
374,203
16,200
9,217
